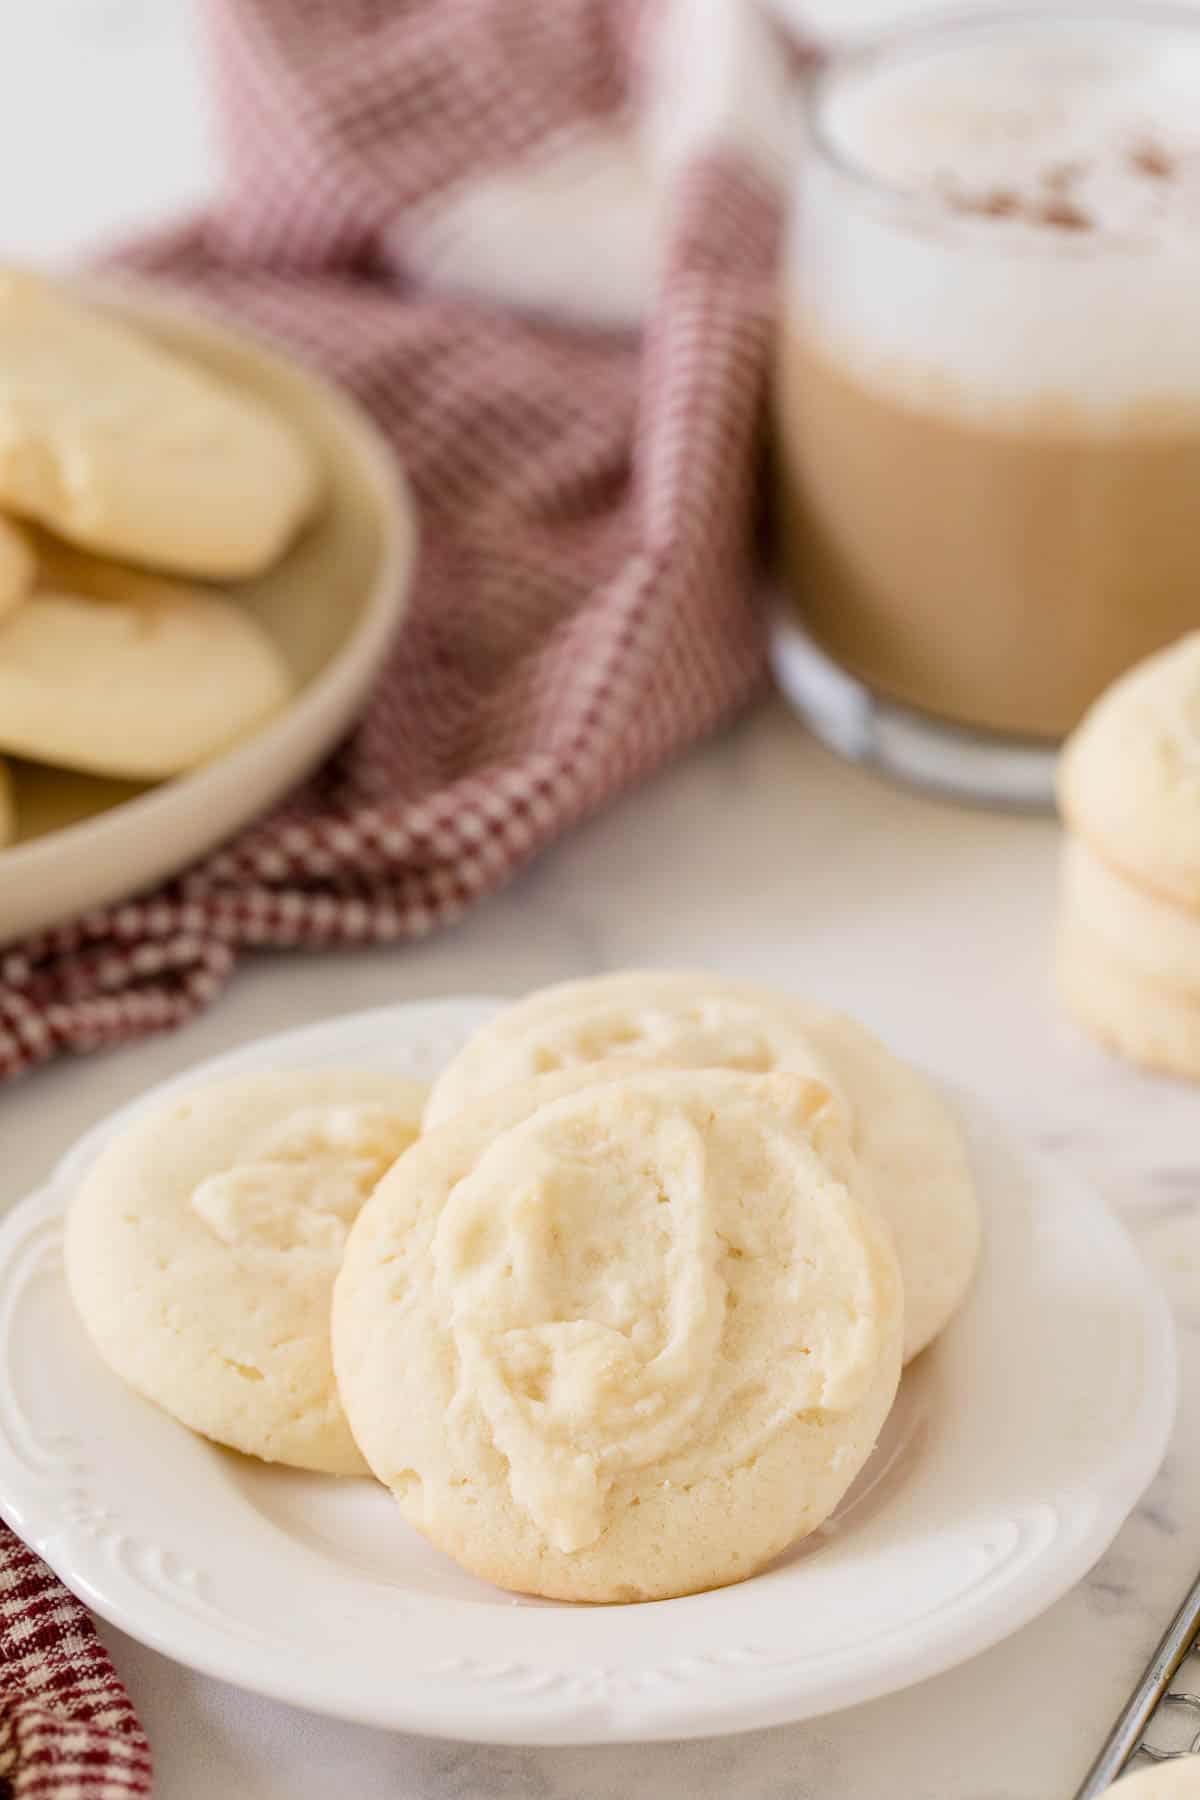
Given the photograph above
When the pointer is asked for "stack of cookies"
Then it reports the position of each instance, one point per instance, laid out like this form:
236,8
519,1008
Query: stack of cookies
616,1311
1129,927
123,468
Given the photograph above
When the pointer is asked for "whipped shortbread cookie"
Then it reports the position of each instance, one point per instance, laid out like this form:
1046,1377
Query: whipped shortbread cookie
1151,939
1110,997
115,672
202,1247
621,1339
665,1019
17,565
911,1151
1129,777
118,445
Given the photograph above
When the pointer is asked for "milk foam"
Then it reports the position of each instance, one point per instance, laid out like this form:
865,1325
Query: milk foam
1009,214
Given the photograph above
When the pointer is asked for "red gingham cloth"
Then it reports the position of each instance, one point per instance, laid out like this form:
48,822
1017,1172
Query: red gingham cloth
67,1730
583,605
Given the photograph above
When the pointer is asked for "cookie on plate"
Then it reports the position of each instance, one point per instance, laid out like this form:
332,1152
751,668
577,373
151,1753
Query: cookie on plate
202,1247
124,448
17,565
666,1019
621,1339
911,1150
115,672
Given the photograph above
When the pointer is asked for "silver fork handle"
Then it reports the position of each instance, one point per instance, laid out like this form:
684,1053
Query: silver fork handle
1126,1737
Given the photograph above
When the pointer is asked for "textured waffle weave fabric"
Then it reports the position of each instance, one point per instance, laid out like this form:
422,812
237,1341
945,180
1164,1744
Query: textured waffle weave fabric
67,1730
583,605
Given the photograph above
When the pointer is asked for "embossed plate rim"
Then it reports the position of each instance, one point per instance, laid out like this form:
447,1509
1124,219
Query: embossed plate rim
702,1666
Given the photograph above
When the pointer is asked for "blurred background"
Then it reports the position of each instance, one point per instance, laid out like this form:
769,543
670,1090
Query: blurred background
70,68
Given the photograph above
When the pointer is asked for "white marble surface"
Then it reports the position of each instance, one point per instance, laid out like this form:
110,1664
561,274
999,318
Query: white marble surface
756,855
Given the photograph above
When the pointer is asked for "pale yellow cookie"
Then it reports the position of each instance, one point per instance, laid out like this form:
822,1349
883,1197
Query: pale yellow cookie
1178,1779
202,1248
8,811
911,1150
1152,1025
665,1019
915,1164
17,564
1129,776
119,673
1153,939
621,1339
121,446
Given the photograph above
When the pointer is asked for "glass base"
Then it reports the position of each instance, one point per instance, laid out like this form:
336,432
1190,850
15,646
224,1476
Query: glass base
910,746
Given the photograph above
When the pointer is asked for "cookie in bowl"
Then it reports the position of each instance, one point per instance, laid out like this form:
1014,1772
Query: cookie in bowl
110,671
116,444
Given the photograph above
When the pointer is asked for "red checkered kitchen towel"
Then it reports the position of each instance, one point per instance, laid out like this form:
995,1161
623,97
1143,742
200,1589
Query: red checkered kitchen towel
537,242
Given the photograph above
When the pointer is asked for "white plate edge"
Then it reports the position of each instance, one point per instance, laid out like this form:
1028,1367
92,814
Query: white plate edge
600,1720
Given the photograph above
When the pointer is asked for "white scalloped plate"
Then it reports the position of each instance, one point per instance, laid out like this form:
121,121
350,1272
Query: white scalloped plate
1017,1447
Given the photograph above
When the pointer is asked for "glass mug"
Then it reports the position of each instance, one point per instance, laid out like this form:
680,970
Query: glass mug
987,389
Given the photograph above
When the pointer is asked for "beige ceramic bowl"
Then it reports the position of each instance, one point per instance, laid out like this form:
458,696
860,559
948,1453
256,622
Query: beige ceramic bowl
332,606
